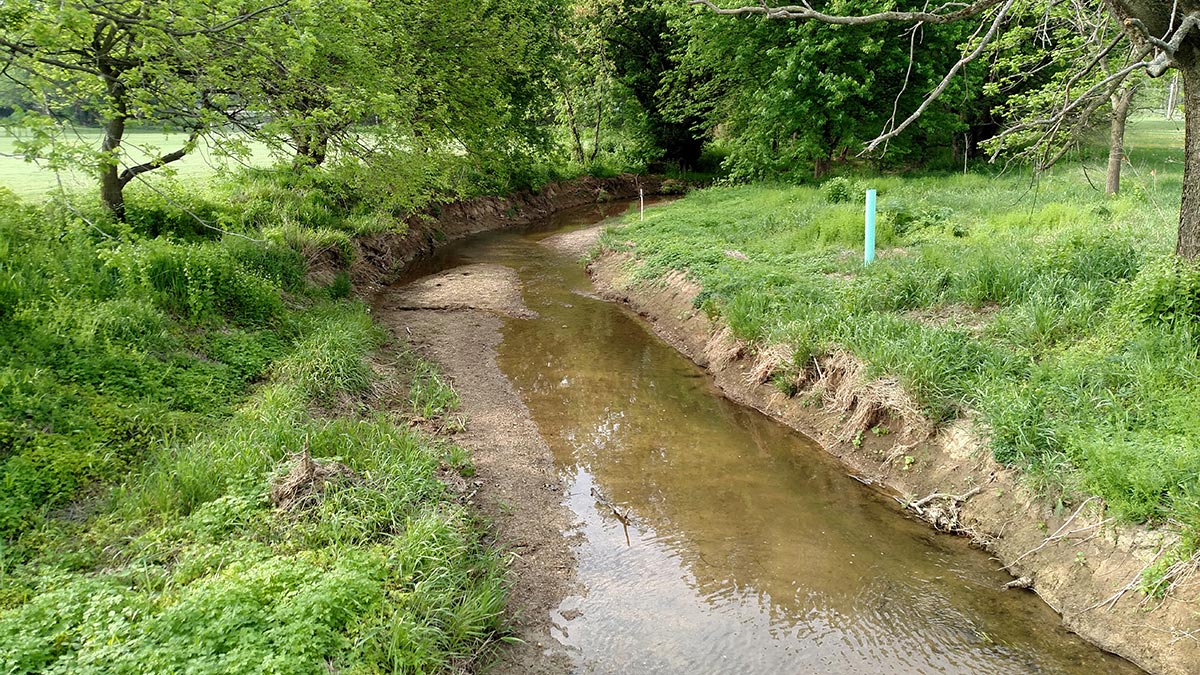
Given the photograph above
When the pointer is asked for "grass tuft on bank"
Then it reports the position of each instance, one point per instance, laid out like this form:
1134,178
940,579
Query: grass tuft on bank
1056,314
155,384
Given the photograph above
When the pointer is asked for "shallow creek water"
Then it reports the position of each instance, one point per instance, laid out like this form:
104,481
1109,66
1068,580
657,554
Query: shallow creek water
749,549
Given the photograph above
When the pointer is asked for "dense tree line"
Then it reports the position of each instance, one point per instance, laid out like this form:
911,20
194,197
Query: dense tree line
365,78
785,99
503,84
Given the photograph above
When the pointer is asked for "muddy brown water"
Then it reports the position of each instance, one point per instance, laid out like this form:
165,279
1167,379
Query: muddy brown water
747,548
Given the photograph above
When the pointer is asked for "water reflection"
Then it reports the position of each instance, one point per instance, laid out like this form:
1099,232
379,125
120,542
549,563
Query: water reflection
750,550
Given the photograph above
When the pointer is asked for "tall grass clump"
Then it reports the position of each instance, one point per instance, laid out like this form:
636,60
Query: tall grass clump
328,358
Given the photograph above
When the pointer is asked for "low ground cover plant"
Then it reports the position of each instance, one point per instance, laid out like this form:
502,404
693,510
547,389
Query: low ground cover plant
157,384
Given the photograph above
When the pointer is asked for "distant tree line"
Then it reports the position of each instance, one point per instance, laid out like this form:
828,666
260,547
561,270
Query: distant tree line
500,84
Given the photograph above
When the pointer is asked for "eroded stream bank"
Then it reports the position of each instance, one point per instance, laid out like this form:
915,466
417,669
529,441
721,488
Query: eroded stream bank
707,538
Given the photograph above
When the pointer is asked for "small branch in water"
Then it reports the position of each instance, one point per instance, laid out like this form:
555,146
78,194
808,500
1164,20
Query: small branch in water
623,518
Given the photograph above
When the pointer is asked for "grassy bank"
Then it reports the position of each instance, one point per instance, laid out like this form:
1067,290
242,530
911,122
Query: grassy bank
1052,313
159,383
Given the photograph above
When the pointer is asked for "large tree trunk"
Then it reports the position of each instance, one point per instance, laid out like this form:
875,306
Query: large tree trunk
1157,17
112,188
1188,243
1121,100
311,148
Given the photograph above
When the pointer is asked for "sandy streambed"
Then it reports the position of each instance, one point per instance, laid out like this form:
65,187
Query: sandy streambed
454,318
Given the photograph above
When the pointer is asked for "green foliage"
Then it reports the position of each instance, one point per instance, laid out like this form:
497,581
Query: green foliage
642,40
99,361
329,358
370,562
171,64
840,190
1165,293
788,99
139,439
1061,320
429,393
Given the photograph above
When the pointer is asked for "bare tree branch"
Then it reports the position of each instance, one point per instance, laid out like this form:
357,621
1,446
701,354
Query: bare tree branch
937,91
1057,118
806,13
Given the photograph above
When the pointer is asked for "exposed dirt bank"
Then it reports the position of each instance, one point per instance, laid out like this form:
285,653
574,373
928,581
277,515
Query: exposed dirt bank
1080,563
454,318
378,258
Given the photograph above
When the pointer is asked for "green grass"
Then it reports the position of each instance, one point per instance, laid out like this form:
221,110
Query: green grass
155,382
32,180
1077,338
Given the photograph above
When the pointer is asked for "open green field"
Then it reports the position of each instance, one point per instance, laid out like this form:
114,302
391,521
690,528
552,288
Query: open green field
1053,314
31,180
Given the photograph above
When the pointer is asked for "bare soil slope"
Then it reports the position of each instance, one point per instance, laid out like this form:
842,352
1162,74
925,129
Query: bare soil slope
454,319
1081,563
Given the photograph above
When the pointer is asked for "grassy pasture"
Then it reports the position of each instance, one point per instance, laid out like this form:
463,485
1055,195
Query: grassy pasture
32,180
1054,313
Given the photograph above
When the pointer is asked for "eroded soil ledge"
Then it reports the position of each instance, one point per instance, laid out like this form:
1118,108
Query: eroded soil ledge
455,318
379,258
1081,564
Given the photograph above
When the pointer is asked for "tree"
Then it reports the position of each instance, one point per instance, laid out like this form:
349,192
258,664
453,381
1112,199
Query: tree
1161,36
318,71
475,80
640,45
166,63
1067,33
790,97
601,116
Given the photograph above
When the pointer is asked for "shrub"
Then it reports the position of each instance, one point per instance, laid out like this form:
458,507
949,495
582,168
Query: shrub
1165,293
840,190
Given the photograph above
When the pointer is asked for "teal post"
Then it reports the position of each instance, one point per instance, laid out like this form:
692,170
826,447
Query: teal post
869,243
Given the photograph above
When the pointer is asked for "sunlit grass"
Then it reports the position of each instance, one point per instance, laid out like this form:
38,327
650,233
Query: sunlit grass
33,179
1082,357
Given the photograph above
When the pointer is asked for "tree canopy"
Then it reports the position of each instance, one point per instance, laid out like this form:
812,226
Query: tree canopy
1156,36
445,87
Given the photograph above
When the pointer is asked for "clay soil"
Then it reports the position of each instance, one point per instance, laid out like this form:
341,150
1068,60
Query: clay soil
1079,562
454,318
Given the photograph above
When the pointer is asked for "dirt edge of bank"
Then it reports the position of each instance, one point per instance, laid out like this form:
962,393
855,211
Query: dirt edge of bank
454,319
1083,566
377,259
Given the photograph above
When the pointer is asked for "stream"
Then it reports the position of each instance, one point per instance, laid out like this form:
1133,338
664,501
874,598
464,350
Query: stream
744,547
